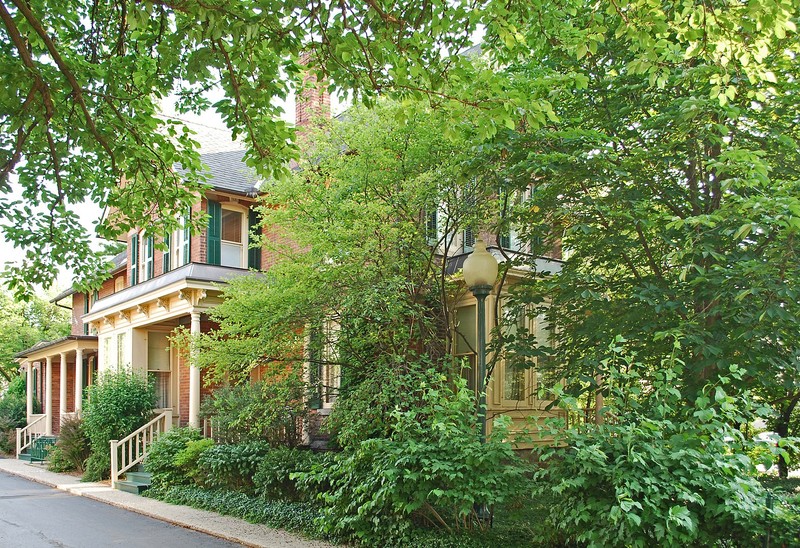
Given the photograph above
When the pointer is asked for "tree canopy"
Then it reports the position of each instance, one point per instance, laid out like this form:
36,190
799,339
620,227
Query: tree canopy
82,84
24,324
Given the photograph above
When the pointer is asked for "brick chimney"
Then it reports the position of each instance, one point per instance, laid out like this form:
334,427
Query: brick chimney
313,102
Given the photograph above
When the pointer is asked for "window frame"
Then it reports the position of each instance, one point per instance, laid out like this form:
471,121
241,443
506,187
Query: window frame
244,235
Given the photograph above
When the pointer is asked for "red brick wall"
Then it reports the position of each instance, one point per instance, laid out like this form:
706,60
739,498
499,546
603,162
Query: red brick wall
56,365
314,102
183,380
78,300
198,243
106,289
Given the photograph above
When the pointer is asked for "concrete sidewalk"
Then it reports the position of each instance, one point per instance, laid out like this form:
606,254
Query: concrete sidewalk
225,527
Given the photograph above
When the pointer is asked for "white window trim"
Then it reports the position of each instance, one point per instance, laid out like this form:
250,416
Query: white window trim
245,244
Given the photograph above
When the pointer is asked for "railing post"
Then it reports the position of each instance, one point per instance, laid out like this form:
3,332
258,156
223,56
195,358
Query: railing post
114,464
19,441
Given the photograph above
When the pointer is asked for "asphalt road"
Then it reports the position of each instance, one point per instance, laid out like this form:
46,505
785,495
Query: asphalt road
34,516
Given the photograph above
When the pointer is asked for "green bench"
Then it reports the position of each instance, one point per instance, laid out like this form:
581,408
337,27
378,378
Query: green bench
40,447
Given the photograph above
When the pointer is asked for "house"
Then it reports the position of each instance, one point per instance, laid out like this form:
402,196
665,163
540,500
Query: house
159,286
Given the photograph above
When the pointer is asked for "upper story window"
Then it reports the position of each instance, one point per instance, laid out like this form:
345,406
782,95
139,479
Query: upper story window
85,311
148,259
233,238
228,236
178,247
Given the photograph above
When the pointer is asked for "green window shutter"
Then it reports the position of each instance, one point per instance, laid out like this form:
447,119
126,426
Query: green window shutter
469,239
149,259
505,241
166,257
432,227
214,243
253,253
187,238
134,259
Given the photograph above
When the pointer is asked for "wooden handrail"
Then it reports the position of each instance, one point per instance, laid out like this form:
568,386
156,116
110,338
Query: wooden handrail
133,448
27,434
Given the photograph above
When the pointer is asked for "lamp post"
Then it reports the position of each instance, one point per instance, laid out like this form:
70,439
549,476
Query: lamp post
480,273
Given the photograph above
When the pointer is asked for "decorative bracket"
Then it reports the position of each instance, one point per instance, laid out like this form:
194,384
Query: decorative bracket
192,296
144,309
163,302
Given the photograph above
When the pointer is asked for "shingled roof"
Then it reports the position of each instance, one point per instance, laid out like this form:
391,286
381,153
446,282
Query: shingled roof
228,172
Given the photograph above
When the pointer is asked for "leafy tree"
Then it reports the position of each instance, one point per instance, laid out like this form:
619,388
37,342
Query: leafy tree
82,83
679,210
359,273
23,324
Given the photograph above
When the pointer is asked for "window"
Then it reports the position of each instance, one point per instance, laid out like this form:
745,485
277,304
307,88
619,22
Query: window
546,374
179,245
232,239
227,236
514,376
85,311
158,366
106,353
331,369
121,351
119,284
147,259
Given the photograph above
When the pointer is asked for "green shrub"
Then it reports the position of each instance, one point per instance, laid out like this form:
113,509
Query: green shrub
273,479
291,516
160,461
232,466
58,462
13,414
118,404
72,448
187,461
660,472
271,411
433,468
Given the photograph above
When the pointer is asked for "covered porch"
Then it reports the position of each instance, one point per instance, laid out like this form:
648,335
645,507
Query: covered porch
56,373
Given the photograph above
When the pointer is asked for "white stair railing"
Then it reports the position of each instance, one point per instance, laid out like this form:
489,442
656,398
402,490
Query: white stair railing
27,434
131,450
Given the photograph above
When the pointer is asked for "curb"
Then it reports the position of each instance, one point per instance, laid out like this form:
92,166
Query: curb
114,497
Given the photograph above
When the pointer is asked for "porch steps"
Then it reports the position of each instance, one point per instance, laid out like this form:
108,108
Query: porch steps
135,481
26,456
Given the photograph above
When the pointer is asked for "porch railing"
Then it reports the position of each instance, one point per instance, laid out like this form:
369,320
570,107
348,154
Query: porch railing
33,430
131,450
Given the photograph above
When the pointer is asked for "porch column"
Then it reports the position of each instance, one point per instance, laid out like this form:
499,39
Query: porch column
48,396
78,380
62,389
194,376
29,389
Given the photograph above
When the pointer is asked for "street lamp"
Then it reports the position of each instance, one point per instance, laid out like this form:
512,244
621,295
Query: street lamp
480,273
